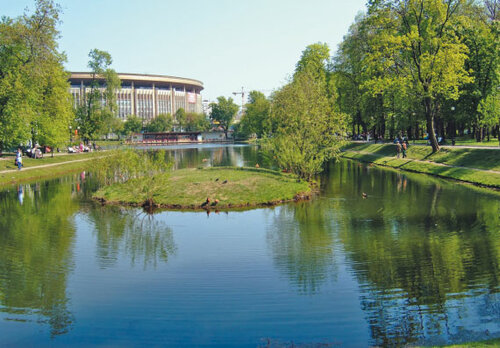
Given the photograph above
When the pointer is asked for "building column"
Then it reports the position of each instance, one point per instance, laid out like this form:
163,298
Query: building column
133,100
185,100
172,104
155,102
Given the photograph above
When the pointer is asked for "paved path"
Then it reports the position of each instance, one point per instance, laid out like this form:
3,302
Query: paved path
424,161
489,147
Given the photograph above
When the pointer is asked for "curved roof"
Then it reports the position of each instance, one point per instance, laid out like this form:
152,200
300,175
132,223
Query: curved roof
146,79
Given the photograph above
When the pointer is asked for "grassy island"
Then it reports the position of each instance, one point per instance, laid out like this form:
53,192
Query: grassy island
225,188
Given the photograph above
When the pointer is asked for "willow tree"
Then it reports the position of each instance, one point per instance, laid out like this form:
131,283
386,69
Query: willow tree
307,131
418,51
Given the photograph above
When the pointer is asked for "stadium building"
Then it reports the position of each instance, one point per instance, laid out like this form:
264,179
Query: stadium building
145,96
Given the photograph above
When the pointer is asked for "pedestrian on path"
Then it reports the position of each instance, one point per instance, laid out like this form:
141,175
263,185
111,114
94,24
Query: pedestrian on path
398,149
404,149
19,159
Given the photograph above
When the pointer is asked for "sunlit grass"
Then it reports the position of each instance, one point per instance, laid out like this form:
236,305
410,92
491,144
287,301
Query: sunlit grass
189,188
470,165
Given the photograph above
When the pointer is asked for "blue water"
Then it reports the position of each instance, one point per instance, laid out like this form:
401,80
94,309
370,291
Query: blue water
417,262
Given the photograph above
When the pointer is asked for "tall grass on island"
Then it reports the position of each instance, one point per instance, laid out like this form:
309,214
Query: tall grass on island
120,166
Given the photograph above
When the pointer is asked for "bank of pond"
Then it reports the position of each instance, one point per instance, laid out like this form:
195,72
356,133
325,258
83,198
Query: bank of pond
471,165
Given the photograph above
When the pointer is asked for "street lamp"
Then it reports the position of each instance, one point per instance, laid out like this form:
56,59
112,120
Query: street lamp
70,137
453,137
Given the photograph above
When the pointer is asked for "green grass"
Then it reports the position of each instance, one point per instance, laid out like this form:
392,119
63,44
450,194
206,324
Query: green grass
60,165
18,176
8,161
189,188
471,165
480,344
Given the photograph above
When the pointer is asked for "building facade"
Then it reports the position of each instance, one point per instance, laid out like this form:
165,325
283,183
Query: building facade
145,96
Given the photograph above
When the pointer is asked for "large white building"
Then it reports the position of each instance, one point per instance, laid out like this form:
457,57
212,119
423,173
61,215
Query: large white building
145,96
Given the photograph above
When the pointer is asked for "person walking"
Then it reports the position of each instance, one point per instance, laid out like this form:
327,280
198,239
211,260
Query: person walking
398,149
403,146
19,159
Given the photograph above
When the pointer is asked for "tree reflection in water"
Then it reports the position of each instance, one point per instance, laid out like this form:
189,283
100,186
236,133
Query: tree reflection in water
36,237
419,248
137,234
304,249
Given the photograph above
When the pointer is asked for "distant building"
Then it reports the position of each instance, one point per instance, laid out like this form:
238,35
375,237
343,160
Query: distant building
145,96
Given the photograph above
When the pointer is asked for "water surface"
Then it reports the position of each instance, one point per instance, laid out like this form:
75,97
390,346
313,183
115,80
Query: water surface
416,262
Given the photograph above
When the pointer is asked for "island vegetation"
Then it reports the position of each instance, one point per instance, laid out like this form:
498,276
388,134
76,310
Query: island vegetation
218,188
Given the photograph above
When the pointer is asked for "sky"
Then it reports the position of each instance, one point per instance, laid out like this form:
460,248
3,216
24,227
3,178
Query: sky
226,44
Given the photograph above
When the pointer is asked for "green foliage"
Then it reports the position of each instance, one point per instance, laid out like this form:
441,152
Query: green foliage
97,116
196,122
133,124
161,123
307,130
189,188
180,118
223,112
256,118
123,165
34,98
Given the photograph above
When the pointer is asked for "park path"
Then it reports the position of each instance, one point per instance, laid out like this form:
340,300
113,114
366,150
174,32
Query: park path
47,165
424,161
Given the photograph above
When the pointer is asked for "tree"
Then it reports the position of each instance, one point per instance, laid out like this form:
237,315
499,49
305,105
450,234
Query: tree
161,123
34,99
417,52
180,118
96,116
481,35
196,122
223,112
256,117
133,124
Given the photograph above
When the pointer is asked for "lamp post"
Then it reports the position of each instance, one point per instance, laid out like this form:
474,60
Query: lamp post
453,136
415,135
70,137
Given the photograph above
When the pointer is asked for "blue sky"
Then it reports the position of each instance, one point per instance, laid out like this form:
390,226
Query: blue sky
225,44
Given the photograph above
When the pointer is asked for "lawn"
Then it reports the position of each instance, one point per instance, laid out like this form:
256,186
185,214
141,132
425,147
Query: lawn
189,188
470,165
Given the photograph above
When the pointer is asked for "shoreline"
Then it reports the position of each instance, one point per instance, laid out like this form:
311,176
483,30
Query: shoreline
448,164
193,189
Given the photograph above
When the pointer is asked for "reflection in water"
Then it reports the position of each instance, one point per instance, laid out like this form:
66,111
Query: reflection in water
36,235
421,251
137,234
416,262
302,243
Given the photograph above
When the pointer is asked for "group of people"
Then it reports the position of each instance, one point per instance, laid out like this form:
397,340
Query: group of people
401,147
82,148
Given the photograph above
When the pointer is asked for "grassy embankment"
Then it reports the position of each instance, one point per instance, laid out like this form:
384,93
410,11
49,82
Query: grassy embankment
189,188
478,166
480,344
46,167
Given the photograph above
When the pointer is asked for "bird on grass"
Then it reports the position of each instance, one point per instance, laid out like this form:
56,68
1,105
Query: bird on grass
216,179
204,204
224,182
364,195
214,203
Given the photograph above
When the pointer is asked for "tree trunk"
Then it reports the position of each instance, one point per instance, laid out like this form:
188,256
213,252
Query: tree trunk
429,117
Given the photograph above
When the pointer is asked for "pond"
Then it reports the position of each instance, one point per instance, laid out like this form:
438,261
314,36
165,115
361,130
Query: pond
415,262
